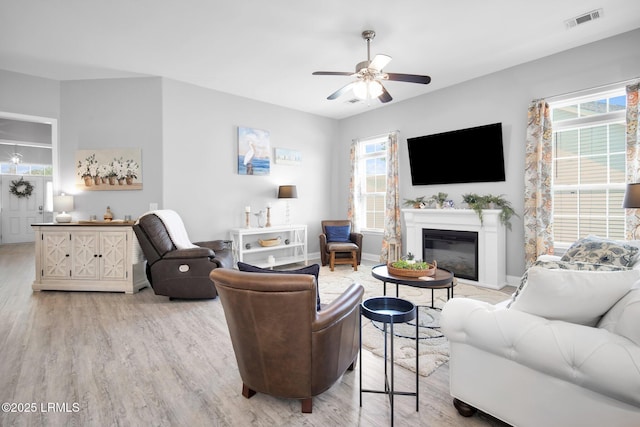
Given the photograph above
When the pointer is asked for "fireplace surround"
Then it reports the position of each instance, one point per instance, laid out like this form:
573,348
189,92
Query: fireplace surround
491,239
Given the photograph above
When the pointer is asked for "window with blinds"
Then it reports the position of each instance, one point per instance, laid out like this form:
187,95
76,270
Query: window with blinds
589,166
373,169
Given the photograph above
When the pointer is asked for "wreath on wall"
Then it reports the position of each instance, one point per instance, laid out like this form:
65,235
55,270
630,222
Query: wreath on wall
21,188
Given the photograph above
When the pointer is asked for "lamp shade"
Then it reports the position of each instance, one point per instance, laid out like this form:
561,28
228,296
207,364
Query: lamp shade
63,204
287,192
632,196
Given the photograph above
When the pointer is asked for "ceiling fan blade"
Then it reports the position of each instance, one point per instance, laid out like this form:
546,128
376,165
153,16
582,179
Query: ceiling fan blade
384,96
341,91
331,73
380,61
411,78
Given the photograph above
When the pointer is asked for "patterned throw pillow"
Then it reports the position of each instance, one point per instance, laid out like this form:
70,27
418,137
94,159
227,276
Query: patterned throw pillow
563,265
596,250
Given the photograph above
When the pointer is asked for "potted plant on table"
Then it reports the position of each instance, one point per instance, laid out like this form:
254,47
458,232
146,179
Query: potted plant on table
408,266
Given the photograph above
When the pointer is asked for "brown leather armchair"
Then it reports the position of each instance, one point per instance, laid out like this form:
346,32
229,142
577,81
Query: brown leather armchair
179,273
348,251
285,347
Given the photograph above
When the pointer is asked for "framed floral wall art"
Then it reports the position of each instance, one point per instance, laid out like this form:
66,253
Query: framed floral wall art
254,151
115,169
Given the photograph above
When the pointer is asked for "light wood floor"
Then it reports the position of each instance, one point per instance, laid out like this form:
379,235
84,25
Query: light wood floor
110,359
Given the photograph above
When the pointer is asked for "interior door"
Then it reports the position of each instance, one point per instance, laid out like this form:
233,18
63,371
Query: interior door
18,213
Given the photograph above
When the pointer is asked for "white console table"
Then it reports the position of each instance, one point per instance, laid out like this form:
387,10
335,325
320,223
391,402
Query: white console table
292,248
88,257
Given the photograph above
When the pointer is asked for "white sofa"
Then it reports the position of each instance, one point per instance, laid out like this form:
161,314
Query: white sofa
529,369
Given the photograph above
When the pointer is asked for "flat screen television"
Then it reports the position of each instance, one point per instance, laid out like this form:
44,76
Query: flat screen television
460,156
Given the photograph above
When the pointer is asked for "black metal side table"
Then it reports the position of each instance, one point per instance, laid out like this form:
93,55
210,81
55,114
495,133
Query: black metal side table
389,310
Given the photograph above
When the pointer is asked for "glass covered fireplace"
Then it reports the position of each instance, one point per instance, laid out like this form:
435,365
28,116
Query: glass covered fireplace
454,250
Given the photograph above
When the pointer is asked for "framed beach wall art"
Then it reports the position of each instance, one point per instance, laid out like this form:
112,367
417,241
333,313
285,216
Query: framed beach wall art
254,151
286,156
115,169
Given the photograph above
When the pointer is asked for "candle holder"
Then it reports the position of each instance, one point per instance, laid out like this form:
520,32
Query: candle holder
246,223
259,218
268,224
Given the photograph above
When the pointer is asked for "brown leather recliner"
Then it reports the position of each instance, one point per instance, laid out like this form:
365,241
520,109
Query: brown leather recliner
179,273
333,252
285,347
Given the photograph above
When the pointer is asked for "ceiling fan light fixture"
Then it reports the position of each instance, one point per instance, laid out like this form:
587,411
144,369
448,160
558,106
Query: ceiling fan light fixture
16,157
367,89
369,73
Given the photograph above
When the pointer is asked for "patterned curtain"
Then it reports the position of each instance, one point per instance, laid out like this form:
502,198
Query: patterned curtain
392,226
633,154
353,205
538,228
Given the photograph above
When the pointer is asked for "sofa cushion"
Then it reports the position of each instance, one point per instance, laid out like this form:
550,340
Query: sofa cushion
338,233
313,269
597,250
573,295
624,317
556,263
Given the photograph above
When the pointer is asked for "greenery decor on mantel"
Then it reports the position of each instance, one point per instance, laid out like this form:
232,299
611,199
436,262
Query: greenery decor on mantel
421,203
439,198
417,203
489,201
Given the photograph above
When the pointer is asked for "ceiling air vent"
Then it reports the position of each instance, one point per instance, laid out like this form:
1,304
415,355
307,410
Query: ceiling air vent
584,18
353,101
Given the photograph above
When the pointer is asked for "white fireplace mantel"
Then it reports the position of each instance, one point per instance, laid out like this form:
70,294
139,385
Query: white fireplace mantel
491,238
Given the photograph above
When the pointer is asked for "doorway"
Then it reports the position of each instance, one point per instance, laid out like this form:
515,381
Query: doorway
26,141
18,213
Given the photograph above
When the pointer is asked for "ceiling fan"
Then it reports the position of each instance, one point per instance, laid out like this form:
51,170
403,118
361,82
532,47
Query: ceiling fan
369,75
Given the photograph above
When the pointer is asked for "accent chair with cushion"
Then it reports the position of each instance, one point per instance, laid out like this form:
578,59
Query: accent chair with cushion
176,267
563,351
284,347
339,244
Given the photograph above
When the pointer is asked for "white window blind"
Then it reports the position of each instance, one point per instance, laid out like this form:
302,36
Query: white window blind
373,169
588,166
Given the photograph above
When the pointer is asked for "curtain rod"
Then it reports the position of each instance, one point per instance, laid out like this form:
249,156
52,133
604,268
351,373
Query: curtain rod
376,136
554,98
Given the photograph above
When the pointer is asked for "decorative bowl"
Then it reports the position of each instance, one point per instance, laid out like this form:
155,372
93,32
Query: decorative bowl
270,242
409,272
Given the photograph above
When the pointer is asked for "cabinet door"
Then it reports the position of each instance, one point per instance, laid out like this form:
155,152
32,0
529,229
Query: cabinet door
56,250
84,255
113,251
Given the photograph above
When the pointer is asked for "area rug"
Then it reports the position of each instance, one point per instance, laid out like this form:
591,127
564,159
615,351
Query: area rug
433,347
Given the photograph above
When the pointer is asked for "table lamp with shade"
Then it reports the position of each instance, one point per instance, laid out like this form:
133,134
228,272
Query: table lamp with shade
287,192
63,204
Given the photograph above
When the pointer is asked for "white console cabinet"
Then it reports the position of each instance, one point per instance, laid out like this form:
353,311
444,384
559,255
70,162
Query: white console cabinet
93,257
292,247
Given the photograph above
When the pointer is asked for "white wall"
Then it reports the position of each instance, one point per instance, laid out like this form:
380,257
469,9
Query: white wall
499,97
200,146
34,96
112,113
